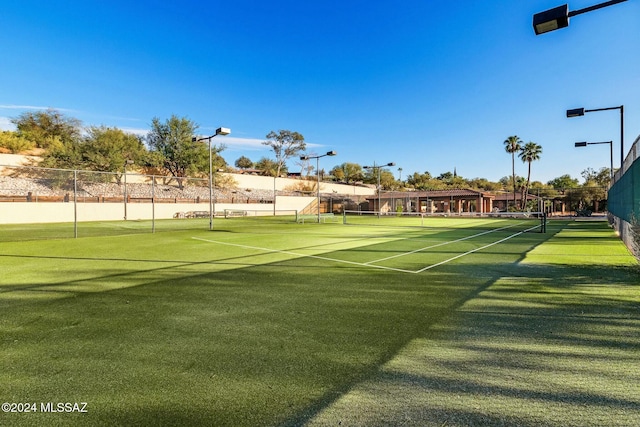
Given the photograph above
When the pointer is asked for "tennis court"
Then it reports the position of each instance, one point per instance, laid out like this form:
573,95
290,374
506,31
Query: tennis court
267,321
406,244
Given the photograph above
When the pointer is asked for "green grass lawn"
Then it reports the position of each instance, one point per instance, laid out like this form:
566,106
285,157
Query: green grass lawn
277,323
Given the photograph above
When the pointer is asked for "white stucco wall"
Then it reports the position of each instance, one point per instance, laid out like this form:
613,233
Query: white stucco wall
26,213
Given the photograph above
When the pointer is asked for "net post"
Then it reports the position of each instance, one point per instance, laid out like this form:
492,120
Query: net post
344,216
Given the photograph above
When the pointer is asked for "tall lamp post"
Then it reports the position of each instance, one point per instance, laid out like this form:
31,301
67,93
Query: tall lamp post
329,153
378,167
219,131
126,162
576,112
584,144
558,17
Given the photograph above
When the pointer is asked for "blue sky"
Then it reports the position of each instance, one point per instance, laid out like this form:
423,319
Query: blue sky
430,85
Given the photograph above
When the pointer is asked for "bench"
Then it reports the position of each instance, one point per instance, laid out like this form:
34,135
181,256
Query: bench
231,213
197,214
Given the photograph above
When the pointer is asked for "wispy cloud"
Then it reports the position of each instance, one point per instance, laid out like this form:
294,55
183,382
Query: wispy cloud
249,144
242,143
32,107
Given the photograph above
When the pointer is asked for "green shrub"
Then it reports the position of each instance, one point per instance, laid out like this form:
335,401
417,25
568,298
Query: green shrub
14,143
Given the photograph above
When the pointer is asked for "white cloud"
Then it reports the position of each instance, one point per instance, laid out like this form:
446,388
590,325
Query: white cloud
139,132
248,143
31,107
5,124
241,143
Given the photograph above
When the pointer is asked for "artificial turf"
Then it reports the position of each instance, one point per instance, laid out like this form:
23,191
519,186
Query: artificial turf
255,324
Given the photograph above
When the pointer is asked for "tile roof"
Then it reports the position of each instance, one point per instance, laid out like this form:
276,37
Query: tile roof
433,194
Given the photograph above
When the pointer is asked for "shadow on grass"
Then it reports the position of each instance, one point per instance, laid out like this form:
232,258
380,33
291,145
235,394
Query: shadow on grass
560,348
287,343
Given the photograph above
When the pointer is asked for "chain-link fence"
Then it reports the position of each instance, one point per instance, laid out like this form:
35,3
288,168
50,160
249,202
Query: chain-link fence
70,203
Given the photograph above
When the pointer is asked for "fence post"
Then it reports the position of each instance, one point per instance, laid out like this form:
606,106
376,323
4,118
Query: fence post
75,204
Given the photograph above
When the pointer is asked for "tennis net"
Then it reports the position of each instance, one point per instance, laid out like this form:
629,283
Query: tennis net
534,221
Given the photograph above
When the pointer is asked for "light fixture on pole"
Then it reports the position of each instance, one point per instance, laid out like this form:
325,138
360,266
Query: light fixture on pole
126,162
329,153
219,131
577,112
558,17
378,167
584,144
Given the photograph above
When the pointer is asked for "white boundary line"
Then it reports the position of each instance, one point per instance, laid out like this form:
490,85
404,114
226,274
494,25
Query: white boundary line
475,250
368,264
441,244
304,255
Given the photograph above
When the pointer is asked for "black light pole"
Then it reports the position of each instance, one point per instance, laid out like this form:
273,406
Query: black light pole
329,153
219,131
576,112
558,17
584,144
378,167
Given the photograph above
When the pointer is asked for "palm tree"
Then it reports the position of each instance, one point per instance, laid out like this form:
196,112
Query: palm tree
529,153
512,145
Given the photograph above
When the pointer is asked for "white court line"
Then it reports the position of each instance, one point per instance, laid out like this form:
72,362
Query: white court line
368,264
475,250
305,255
440,244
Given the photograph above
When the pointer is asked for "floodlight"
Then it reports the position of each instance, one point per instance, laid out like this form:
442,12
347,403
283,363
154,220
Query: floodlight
576,112
551,19
558,17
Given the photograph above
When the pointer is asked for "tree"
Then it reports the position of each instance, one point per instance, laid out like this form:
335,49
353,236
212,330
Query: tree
601,178
267,166
48,129
512,145
529,153
285,144
244,162
63,156
594,189
306,167
419,181
484,184
107,149
387,179
338,174
348,172
563,182
452,180
445,176
178,154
